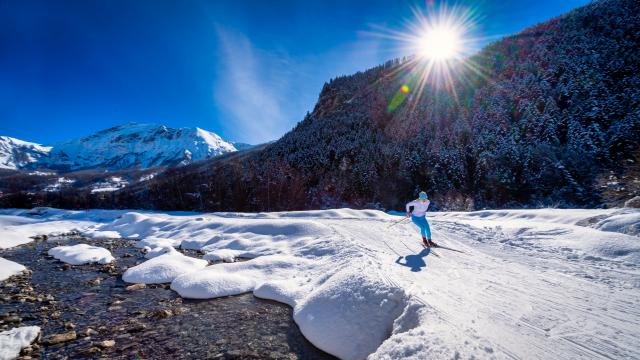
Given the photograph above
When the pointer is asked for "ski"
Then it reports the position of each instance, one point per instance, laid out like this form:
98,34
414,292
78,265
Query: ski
430,250
450,249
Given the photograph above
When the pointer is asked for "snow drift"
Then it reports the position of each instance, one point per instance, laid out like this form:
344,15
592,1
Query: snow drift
81,254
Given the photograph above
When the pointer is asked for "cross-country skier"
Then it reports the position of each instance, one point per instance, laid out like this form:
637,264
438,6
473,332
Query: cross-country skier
420,206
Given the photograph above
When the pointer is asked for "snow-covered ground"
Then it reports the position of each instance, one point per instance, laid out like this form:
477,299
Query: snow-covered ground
511,283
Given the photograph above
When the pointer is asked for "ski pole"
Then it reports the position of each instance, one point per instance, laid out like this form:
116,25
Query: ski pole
398,222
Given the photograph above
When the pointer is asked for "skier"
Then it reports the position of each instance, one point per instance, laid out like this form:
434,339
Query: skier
420,206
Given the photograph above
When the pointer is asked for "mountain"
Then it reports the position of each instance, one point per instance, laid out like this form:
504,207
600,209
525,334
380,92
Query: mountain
241,146
125,146
546,117
15,154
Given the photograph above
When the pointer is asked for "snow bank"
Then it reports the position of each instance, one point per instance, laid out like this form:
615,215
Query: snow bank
350,314
163,269
237,278
9,268
347,313
19,226
14,340
81,254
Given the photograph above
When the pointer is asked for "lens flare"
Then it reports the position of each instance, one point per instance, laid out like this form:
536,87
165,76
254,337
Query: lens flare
440,40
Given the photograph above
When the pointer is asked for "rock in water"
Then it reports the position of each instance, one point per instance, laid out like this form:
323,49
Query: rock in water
136,287
60,338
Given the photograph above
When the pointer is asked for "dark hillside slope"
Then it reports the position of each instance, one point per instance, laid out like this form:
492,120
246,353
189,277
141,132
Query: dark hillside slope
545,115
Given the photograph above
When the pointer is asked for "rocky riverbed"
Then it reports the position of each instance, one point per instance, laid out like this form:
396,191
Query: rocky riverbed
87,311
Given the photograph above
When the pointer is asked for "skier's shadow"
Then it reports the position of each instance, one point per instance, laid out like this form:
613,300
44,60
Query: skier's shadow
415,262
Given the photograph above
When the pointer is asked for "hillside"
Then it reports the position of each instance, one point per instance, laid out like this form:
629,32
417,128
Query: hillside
540,118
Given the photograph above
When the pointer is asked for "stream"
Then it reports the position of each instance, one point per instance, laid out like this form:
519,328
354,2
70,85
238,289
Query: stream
95,315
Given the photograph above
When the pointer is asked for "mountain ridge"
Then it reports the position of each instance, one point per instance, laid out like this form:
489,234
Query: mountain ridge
133,144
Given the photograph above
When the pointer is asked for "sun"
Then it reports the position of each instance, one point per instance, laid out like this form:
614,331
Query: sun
439,43
437,46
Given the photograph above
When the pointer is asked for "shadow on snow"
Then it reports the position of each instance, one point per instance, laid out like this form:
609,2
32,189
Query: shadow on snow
414,262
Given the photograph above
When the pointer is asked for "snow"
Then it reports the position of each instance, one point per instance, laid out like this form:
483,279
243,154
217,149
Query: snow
152,242
41,173
351,313
148,177
14,340
157,251
548,283
237,278
9,268
81,254
228,255
15,153
140,145
163,268
112,184
59,184
128,145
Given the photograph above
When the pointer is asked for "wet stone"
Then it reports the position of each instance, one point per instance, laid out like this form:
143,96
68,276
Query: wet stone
60,338
136,287
88,332
150,322
106,343
161,314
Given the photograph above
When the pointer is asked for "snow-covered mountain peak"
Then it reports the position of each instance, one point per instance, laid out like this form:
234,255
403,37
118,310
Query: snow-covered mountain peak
128,145
15,153
140,145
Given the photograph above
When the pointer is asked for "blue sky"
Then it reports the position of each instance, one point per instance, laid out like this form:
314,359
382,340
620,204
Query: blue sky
247,70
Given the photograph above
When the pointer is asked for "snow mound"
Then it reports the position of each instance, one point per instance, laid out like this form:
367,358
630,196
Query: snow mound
237,278
157,251
81,254
9,268
351,314
14,340
102,234
211,284
627,223
154,242
163,269
228,255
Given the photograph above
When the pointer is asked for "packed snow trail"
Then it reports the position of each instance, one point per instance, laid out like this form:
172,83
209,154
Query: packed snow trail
524,284
482,300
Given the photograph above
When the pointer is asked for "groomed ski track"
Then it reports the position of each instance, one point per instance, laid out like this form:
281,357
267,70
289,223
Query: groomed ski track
520,302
